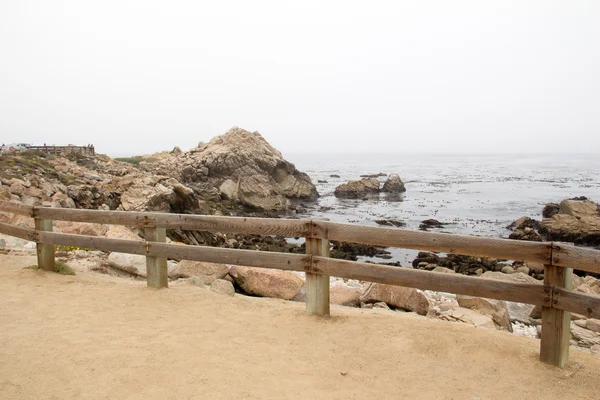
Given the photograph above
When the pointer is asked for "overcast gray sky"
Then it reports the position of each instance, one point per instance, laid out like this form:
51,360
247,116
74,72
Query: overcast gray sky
135,77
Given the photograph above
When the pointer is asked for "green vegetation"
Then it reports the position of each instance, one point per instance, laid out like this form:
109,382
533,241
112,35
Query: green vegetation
137,159
69,248
23,163
82,160
61,268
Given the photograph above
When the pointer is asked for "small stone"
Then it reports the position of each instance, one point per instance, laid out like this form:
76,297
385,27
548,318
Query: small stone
223,287
508,270
524,270
381,304
583,288
595,349
593,325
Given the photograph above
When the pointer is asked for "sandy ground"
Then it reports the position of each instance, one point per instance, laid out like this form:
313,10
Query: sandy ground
93,336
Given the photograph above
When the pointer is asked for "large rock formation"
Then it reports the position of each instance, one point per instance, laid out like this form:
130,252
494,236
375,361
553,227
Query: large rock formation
357,189
243,167
577,221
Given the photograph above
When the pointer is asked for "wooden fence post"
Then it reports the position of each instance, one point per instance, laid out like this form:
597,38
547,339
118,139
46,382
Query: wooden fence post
45,252
556,324
156,267
317,285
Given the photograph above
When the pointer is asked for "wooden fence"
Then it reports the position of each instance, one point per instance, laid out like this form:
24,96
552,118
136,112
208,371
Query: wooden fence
555,295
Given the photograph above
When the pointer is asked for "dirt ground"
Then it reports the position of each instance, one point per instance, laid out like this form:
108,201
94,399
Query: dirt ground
94,336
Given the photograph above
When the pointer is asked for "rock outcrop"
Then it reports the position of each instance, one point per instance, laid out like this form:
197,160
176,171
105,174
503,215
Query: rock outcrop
358,189
393,184
397,296
577,221
206,272
266,282
244,167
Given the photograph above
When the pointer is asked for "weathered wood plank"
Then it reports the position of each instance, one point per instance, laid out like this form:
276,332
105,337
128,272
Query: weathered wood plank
157,274
317,285
93,242
16,208
248,258
585,259
45,252
210,223
580,303
22,233
453,283
556,329
430,241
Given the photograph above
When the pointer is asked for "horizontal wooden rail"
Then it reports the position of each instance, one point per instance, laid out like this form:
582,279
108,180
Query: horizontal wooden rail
449,243
566,255
438,281
580,303
21,233
210,223
16,208
93,242
525,293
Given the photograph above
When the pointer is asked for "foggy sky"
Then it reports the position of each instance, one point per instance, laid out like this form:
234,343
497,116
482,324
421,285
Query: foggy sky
135,77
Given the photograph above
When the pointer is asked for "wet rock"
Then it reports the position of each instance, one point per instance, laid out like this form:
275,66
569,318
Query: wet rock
390,222
394,184
380,174
321,181
425,257
524,222
397,296
334,176
550,209
351,251
266,282
357,189
525,234
430,223
578,221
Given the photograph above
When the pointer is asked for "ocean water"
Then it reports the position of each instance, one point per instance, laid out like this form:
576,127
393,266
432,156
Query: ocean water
472,194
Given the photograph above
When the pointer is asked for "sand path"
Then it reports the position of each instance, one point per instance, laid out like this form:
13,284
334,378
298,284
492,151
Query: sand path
98,337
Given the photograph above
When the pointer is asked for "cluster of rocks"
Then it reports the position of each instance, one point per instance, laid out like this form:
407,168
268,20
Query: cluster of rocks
239,166
469,265
480,312
360,189
574,220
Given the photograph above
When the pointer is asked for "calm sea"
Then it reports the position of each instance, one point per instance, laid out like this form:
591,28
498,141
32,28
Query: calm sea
473,194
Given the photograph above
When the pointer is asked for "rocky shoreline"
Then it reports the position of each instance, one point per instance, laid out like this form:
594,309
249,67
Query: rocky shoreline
240,174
